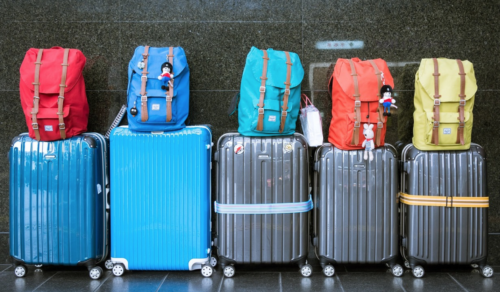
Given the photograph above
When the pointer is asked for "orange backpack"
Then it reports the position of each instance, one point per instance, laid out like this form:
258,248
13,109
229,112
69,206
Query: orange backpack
355,87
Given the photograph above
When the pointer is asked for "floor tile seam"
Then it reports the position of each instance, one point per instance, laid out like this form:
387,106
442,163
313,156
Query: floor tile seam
157,21
6,269
162,281
4,232
281,283
220,284
401,285
340,283
104,281
44,282
458,283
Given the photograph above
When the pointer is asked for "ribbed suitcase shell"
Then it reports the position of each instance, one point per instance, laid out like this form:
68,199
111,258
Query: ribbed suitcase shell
160,197
58,200
356,210
440,235
264,173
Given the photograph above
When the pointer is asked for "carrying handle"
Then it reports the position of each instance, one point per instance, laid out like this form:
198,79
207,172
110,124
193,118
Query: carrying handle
305,99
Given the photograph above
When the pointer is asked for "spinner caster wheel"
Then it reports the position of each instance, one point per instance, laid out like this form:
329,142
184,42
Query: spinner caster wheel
306,270
95,273
229,271
38,266
397,270
418,272
108,264
118,270
20,271
207,271
329,270
407,265
213,261
487,271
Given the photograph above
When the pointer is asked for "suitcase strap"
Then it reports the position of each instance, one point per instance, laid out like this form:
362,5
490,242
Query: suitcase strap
444,201
276,208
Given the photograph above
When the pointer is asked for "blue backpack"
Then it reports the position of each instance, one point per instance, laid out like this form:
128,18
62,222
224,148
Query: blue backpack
270,93
158,89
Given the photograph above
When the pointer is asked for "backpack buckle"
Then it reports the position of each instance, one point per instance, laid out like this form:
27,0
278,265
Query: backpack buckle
461,124
437,102
144,76
287,91
36,97
357,124
357,103
144,98
436,124
380,125
169,98
284,113
62,126
261,111
262,89
462,102
60,97
35,126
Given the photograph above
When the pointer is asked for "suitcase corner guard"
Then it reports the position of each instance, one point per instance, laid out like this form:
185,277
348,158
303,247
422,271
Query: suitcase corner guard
264,209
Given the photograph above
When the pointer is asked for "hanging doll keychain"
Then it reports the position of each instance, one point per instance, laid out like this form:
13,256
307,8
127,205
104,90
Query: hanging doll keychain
166,75
387,101
368,143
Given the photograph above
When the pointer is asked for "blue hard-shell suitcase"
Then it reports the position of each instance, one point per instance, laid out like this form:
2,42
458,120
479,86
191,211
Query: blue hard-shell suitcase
58,204
160,197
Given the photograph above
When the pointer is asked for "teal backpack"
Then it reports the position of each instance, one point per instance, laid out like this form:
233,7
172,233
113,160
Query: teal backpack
270,93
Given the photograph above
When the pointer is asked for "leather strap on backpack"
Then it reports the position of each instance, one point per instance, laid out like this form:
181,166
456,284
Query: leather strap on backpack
170,92
357,106
461,106
60,99
287,92
144,79
380,116
437,103
36,97
262,90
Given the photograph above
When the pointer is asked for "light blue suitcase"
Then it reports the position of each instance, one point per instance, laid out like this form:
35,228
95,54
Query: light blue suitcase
160,197
58,202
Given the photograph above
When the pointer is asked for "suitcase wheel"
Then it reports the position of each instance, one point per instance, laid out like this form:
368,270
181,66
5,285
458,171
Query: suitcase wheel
418,272
306,270
20,271
118,270
108,264
329,270
95,273
207,271
213,261
487,271
229,271
397,270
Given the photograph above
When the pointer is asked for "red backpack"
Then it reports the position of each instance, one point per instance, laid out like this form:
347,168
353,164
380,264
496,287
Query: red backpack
53,93
355,86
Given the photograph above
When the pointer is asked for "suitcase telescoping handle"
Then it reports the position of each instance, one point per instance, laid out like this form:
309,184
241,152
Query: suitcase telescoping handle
117,120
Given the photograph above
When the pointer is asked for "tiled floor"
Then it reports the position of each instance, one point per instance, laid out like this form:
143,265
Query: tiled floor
251,278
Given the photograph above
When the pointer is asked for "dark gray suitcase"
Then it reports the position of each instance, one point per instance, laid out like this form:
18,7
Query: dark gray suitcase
356,210
444,235
262,170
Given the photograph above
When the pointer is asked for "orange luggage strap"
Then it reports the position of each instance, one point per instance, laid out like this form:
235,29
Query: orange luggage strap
287,91
461,106
444,201
36,96
437,103
144,79
380,117
60,99
357,106
262,90
170,92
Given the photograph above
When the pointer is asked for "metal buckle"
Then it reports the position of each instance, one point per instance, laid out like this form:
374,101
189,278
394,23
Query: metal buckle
169,98
461,124
357,124
437,101
436,124
380,125
62,126
36,97
61,97
144,76
284,113
35,126
462,102
144,98
261,111
357,103
287,91
262,89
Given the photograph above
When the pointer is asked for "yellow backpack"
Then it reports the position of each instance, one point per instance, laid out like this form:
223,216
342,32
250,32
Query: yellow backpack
444,98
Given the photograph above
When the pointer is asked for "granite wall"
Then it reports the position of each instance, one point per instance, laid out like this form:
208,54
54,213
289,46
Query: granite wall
217,35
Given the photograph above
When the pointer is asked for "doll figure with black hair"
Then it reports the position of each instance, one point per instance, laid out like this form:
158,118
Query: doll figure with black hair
166,75
387,100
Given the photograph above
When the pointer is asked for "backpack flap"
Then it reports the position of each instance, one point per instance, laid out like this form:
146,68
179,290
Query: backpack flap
51,69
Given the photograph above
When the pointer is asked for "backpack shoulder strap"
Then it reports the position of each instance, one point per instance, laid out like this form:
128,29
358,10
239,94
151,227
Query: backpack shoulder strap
461,106
287,91
262,90
60,99
170,92
36,97
437,103
380,117
357,105
144,80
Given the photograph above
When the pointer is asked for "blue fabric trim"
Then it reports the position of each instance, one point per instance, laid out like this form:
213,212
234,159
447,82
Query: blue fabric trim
277,208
